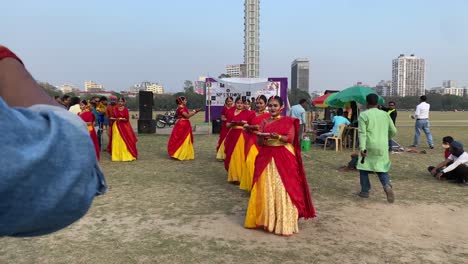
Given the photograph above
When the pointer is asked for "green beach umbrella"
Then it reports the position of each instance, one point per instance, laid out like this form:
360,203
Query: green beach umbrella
353,93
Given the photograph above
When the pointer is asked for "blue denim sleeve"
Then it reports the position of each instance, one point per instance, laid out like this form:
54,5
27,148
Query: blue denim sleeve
49,173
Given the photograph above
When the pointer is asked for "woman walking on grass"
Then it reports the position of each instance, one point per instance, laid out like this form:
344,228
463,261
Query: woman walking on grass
280,193
180,145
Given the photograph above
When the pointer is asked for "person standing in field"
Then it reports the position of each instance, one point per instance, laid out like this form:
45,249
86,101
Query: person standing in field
422,122
375,128
123,140
235,141
280,193
251,146
180,144
298,111
88,117
228,103
110,116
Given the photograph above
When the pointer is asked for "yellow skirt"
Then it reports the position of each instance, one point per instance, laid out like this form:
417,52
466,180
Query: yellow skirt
247,177
270,207
220,155
185,152
237,162
119,148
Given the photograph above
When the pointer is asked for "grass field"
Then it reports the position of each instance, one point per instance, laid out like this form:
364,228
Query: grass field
159,210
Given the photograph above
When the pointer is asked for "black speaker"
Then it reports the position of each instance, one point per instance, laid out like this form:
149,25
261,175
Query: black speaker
216,126
145,105
146,126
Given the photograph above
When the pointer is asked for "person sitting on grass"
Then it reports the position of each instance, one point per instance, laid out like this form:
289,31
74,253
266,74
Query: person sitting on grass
445,145
351,164
458,168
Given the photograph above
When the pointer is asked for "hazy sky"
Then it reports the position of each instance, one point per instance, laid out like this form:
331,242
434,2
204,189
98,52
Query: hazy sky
120,43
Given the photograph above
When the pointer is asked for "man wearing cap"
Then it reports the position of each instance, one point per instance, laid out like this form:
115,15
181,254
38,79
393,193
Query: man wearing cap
458,169
422,122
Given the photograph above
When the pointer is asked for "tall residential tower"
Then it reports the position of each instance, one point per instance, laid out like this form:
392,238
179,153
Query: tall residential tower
252,37
408,76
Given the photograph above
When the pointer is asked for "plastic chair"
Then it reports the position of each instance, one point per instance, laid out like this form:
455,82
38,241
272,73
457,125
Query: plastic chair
338,138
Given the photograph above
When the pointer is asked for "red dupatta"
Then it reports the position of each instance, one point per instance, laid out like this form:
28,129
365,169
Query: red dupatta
292,173
126,130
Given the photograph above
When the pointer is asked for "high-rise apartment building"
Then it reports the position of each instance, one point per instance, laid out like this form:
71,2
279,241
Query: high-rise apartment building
449,84
384,88
155,88
147,86
236,70
449,87
300,74
91,86
68,88
408,76
252,37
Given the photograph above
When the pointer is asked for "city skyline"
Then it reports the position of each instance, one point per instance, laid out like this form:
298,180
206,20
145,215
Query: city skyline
345,41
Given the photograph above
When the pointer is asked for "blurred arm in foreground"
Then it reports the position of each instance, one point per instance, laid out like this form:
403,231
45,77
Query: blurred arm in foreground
49,173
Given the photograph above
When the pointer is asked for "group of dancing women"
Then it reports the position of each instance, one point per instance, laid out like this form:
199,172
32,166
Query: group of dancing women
261,153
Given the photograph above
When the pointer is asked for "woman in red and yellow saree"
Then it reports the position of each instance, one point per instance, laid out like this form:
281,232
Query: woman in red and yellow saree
123,142
180,145
228,105
251,146
234,143
90,119
280,193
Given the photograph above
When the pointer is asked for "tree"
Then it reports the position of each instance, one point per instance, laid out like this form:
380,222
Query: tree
294,95
165,102
438,102
132,103
224,75
188,87
50,89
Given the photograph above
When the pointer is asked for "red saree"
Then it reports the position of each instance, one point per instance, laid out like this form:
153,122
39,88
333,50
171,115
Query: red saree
235,132
125,130
251,150
88,117
289,165
109,114
251,135
224,129
181,131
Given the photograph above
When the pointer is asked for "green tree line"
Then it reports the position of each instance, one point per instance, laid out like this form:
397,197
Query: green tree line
165,102
438,102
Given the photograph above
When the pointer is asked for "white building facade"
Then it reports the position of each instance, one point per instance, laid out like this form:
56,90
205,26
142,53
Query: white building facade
408,76
91,86
236,70
252,37
155,88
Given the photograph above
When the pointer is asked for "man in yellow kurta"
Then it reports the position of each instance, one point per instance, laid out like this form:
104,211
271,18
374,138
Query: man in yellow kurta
375,129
